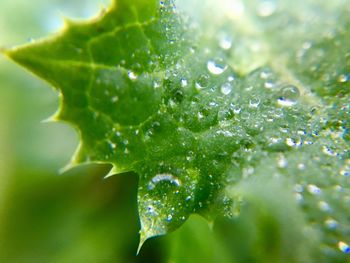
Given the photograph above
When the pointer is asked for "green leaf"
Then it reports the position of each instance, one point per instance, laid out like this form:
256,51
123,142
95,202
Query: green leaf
205,102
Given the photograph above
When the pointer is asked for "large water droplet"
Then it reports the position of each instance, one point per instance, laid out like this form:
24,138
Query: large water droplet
344,247
216,66
288,96
344,78
163,178
226,88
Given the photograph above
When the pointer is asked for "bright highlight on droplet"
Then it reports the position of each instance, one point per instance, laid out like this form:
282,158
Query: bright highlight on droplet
184,83
233,9
132,75
344,247
216,67
161,178
226,88
288,96
266,8
225,42
313,189
343,78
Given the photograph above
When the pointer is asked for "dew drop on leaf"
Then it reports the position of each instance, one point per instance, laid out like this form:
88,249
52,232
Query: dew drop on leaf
216,66
226,88
344,78
115,99
202,82
288,96
254,102
345,172
324,206
330,223
132,75
184,83
313,189
266,8
163,178
344,247
225,42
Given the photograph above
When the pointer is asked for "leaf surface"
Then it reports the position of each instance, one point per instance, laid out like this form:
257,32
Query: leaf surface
202,106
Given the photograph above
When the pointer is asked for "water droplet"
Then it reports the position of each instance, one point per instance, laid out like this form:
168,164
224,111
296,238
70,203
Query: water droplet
298,197
216,66
298,188
324,206
202,82
190,156
156,84
225,133
169,218
331,223
225,42
266,8
288,96
112,145
313,189
151,210
328,151
115,99
301,166
184,83
200,115
231,78
132,75
344,247
254,103
345,172
290,142
226,88
343,78
282,162
163,178
269,84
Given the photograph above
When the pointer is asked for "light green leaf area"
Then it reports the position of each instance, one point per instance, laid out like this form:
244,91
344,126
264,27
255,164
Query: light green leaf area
216,107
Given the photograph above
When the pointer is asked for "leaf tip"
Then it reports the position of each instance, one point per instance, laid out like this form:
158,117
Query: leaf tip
8,52
68,167
143,239
51,119
112,172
